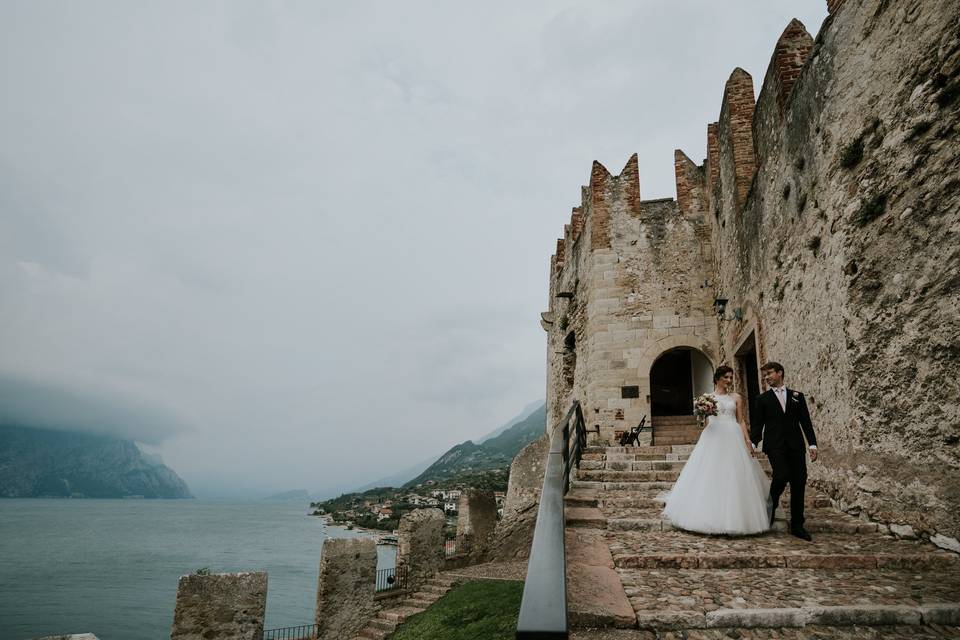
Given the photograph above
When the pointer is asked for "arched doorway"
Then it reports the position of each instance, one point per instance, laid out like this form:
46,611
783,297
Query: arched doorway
676,377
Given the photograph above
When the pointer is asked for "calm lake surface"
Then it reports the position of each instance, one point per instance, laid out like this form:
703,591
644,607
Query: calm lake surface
110,567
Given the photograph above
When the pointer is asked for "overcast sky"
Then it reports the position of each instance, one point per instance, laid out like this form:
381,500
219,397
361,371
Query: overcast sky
305,244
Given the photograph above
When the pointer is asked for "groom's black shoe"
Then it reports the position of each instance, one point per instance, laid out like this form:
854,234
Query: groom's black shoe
801,533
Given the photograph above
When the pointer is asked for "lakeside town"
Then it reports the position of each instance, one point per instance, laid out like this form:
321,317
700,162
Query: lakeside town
381,508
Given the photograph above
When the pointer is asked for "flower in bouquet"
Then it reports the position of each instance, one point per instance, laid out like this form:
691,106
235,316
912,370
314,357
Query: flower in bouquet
705,405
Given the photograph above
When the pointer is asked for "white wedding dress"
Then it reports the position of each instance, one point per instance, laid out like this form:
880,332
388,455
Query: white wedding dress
722,488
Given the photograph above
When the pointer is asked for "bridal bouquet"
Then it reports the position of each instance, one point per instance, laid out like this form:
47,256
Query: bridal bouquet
705,405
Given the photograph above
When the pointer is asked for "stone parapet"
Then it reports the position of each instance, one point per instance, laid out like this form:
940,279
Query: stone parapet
420,545
476,517
346,586
220,605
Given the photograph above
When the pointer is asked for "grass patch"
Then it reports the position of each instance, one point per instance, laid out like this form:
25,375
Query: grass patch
483,609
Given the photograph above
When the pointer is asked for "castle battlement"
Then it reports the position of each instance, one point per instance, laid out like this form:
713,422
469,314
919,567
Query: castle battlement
819,215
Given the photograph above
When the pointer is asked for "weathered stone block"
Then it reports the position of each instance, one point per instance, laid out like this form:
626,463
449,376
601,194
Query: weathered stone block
420,545
476,516
346,587
220,605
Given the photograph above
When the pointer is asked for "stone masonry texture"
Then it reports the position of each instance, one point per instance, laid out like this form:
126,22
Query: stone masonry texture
345,588
476,515
827,213
223,605
420,545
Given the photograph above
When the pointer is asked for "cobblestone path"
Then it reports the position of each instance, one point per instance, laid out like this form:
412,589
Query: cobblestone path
854,580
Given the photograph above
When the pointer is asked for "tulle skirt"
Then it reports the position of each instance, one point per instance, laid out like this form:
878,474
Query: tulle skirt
722,488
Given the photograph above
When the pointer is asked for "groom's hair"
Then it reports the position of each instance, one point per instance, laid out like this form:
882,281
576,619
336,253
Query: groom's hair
773,366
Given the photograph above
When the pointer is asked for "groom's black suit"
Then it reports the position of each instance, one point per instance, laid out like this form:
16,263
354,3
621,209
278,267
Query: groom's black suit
782,434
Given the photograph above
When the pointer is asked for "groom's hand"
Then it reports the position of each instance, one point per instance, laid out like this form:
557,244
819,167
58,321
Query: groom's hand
813,454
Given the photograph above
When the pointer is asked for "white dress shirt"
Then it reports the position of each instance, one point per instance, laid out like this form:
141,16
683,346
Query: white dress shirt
781,393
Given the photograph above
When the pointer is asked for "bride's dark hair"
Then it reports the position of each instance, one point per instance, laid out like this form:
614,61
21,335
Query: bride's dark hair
720,372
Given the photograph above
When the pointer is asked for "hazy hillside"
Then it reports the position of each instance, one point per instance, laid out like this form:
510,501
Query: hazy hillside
401,477
495,453
40,463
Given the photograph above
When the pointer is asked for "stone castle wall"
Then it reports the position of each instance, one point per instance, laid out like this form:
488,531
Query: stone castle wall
631,279
826,212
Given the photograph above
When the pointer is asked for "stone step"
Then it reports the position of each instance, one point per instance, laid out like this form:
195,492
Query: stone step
622,500
580,500
670,429
788,597
633,465
438,589
640,457
627,476
398,614
419,600
619,486
646,449
680,550
677,440
374,633
590,517
658,420
383,624
445,579
655,523
806,632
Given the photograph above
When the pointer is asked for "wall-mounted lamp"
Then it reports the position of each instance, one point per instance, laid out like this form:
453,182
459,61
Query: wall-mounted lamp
720,306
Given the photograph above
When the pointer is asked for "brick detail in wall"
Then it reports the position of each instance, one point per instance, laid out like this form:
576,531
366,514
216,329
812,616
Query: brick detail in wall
713,157
791,53
561,254
576,224
689,178
599,207
739,102
629,180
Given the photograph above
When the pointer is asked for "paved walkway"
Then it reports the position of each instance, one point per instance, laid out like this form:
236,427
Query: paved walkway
851,581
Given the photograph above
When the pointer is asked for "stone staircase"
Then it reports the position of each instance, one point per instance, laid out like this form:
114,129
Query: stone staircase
675,430
388,619
853,574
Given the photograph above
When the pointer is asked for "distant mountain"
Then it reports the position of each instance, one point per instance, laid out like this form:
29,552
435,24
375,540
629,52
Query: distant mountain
524,414
495,453
399,478
42,463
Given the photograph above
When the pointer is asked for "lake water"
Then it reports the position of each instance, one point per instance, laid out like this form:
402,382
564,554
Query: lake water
110,567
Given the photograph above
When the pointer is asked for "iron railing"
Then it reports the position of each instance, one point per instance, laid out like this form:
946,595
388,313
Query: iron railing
458,546
543,609
392,578
303,632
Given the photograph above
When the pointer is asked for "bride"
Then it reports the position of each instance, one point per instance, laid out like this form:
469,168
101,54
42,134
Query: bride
722,488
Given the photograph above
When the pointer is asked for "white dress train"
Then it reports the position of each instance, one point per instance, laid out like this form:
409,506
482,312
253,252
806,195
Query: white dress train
722,488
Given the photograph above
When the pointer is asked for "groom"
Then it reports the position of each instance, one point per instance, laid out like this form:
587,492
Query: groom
781,419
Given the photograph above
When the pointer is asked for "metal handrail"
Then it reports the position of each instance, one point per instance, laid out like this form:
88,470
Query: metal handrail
543,609
302,632
392,578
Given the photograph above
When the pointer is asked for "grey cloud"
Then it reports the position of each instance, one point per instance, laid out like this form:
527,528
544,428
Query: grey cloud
76,406
297,222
